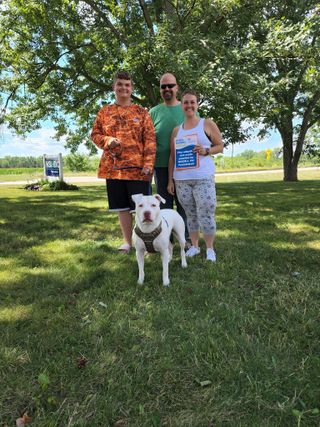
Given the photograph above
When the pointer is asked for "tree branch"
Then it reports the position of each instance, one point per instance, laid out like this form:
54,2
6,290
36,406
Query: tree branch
169,8
91,95
313,122
100,84
55,66
305,125
185,16
3,110
105,19
304,69
146,16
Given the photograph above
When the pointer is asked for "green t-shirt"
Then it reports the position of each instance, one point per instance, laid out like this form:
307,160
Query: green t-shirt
165,119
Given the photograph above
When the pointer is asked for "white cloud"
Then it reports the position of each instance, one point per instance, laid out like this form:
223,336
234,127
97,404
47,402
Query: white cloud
41,142
35,144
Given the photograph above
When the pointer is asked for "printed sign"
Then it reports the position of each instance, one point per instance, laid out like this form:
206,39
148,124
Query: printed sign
185,157
52,166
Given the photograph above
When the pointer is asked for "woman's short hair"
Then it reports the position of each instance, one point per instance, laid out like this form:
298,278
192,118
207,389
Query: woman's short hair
190,92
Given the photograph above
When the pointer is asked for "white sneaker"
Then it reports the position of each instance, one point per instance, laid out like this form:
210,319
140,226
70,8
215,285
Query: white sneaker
211,255
192,251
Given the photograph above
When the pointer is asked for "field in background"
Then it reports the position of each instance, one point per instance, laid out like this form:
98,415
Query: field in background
25,175
82,165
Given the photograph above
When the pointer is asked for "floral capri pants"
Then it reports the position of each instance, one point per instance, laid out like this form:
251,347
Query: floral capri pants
198,199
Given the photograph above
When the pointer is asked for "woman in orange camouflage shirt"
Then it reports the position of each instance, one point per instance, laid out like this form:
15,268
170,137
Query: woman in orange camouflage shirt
125,133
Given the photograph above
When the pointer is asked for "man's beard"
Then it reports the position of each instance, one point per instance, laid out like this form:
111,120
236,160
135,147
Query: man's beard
168,95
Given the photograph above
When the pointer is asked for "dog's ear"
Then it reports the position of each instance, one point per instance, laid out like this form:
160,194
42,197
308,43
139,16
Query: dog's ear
161,199
136,198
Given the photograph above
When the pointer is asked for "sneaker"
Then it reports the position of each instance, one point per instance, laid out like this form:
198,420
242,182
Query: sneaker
211,255
187,245
124,249
192,251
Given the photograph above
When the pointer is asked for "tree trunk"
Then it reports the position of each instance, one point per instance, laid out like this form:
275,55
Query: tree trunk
290,165
290,170
291,158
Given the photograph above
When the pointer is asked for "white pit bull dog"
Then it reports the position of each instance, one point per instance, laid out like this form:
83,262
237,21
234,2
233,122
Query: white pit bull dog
152,233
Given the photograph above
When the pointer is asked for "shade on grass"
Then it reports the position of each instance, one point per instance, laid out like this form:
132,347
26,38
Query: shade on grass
231,344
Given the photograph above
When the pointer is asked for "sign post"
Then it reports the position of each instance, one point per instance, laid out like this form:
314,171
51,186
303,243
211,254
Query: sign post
53,166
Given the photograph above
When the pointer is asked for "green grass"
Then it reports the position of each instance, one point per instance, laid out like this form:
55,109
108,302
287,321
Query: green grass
257,162
19,171
33,174
249,324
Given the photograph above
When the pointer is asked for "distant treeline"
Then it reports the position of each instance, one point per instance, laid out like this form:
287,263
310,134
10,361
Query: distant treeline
248,159
73,162
21,162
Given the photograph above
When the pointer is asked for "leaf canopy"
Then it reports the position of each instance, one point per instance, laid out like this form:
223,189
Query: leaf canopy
249,60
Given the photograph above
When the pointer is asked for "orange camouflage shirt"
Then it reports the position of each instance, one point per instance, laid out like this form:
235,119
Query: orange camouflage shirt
132,125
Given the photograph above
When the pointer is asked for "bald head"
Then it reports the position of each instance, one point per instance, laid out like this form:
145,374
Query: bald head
169,89
168,77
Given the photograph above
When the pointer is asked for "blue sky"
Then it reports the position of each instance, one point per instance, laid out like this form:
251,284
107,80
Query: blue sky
41,142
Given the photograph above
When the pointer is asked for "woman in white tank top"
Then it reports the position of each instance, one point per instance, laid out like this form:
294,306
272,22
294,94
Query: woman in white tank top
193,178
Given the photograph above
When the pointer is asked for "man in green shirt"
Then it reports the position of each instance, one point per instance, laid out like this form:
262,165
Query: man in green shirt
166,117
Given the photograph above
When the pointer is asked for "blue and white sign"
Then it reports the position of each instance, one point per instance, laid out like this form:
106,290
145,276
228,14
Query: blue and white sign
53,166
185,157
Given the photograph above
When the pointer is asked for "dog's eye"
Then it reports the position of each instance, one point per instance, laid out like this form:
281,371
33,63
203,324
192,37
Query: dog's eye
141,205
153,205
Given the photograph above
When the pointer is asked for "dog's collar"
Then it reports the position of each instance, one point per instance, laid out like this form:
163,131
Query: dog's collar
148,238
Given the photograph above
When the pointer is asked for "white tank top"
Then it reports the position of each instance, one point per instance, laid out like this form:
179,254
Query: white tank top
206,167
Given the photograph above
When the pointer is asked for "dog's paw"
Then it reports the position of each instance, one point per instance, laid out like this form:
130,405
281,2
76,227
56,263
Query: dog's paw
184,264
140,282
166,283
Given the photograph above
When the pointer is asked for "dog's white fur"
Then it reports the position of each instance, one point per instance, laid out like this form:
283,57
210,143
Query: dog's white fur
148,217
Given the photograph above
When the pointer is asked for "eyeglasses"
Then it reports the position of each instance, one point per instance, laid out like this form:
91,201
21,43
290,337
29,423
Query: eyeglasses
169,86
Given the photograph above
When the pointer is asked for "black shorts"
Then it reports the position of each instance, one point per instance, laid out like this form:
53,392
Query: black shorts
119,193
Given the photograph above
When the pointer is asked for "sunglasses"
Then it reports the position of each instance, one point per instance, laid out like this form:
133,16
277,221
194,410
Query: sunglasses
169,86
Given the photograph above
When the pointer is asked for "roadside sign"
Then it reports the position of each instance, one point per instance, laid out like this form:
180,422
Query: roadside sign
53,166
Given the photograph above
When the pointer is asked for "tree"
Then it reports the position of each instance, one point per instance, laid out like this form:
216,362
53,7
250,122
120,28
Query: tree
77,162
248,154
275,47
284,48
312,147
255,60
58,58
21,162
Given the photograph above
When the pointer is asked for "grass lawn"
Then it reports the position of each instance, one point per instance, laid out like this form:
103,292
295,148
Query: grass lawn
33,174
231,344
